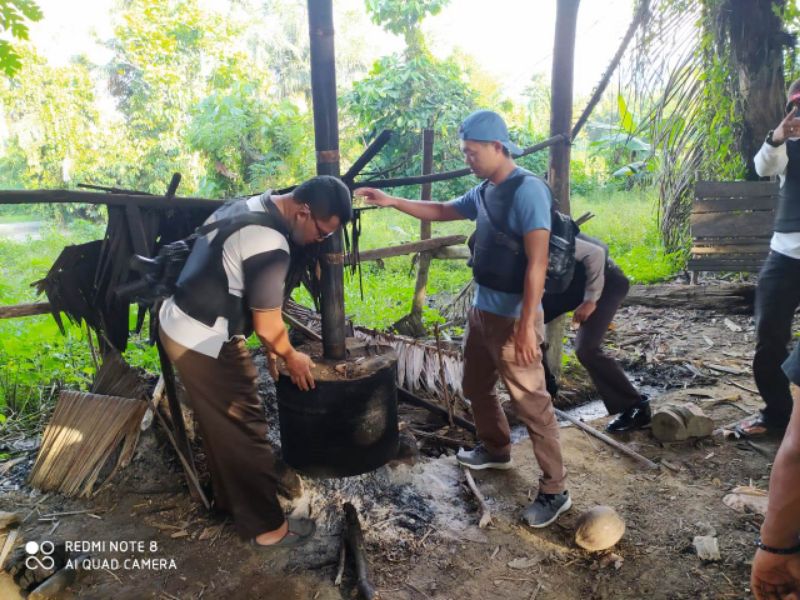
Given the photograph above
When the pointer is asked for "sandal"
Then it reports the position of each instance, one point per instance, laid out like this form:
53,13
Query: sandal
300,531
758,426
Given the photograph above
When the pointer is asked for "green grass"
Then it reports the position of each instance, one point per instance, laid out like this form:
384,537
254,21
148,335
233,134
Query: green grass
627,222
35,358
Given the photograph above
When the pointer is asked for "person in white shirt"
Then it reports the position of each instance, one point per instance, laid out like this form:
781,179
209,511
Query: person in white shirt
778,289
231,285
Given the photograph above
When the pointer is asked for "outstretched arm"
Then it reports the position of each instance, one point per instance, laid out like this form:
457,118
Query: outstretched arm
777,575
425,211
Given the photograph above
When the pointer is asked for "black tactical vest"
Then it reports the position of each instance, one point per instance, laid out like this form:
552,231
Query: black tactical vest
499,261
787,214
202,287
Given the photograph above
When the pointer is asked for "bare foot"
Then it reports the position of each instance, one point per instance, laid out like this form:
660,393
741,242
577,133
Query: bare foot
273,537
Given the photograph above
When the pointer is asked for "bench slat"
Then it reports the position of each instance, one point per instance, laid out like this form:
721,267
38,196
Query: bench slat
755,203
728,224
735,189
720,241
731,249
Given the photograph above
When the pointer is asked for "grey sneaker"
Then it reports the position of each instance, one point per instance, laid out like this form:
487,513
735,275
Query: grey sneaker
546,508
479,458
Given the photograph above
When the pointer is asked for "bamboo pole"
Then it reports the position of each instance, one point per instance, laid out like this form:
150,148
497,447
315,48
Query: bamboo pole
560,120
420,289
326,140
447,175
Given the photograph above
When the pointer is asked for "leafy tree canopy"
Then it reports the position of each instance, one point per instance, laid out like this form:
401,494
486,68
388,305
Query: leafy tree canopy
14,15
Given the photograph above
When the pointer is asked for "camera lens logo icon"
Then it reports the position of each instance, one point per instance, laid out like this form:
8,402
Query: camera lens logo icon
46,561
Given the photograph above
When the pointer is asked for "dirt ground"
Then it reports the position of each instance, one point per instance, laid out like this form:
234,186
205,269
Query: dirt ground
420,520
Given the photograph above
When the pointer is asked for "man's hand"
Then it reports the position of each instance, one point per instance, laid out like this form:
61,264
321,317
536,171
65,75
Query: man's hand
299,366
583,312
525,346
789,128
775,576
374,196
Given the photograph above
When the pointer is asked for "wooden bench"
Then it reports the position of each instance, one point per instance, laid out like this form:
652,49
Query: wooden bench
731,225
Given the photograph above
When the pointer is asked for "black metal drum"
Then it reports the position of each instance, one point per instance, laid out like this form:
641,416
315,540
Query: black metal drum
347,425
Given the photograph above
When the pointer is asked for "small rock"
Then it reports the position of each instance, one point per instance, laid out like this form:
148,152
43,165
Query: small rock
523,563
706,547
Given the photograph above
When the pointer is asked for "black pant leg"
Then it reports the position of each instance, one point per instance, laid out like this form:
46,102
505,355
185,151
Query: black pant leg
777,298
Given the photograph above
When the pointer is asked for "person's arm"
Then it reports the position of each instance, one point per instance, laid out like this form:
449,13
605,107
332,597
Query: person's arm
772,159
270,329
536,249
777,575
423,210
593,258
265,264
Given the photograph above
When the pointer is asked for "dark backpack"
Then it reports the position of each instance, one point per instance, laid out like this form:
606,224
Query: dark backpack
561,249
159,275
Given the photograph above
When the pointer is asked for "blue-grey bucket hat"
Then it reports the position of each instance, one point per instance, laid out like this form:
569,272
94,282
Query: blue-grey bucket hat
487,126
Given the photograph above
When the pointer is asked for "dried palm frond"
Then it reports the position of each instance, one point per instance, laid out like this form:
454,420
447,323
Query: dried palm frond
83,433
417,361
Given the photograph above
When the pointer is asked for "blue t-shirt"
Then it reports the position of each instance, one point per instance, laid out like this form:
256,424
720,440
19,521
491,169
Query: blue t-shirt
530,209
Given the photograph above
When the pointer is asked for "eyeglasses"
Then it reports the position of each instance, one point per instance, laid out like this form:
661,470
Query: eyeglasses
321,233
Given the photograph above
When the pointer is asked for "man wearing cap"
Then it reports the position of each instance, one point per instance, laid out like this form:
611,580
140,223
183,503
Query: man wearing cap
778,289
511,208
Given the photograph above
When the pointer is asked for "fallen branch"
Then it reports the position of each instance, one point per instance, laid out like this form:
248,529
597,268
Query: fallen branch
441,439
742,387
486,516
603,437
340,569
404,395
59,581
736,298
354,538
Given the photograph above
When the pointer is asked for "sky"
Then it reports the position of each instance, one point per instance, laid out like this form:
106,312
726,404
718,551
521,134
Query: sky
510,39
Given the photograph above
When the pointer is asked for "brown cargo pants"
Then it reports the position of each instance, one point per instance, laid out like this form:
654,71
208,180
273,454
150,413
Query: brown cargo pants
488,354
224,396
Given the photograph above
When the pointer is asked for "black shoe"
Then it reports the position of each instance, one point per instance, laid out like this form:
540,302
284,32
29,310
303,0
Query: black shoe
637,416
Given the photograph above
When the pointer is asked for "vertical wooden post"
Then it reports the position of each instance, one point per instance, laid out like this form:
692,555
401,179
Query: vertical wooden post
326,138
561,122
420,290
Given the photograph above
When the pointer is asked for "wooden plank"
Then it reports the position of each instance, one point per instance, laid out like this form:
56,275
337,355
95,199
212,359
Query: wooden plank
409,248
732,224
733,249
735,189
133,215
700,241
711,205
24,310
721,266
